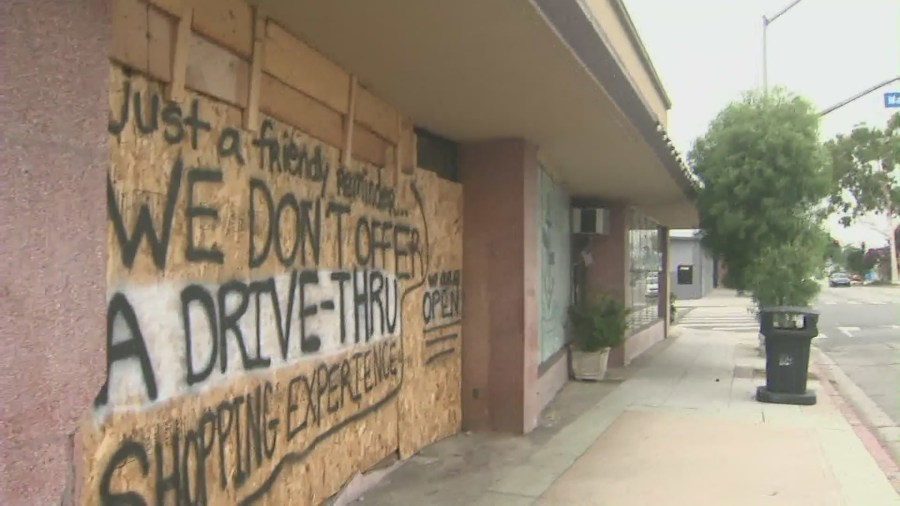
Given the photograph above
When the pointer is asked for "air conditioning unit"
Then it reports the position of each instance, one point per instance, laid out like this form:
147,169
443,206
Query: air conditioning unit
590,220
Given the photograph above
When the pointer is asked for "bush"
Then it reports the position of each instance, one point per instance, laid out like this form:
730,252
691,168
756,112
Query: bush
784,274
600,323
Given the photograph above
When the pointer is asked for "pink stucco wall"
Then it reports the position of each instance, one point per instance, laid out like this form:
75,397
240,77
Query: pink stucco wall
53,160
500,337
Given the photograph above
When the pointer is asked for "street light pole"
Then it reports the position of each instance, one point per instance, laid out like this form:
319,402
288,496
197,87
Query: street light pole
859,95
766,22
765,54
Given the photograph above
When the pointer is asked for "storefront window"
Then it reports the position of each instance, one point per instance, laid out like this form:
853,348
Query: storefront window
645,259
555,257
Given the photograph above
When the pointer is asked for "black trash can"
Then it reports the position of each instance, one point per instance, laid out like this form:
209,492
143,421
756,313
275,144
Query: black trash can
788,332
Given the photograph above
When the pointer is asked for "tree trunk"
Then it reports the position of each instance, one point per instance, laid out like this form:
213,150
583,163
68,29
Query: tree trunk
892,241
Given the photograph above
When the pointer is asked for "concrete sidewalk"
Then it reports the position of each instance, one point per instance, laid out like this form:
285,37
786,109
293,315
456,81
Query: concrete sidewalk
683,428
719,297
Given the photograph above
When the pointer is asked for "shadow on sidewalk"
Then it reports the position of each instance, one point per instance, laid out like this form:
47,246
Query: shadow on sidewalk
460,469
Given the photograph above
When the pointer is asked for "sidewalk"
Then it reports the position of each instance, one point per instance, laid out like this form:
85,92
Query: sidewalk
683,428
719,297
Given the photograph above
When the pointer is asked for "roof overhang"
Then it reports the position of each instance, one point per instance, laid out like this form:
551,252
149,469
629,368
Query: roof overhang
473,70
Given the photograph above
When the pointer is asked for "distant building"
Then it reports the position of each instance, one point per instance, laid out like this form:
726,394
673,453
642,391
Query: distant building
692,271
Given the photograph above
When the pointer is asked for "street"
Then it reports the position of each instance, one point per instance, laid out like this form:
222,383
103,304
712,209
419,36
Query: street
859,328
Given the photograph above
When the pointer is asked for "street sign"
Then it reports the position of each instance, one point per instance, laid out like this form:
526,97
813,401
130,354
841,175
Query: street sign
892,99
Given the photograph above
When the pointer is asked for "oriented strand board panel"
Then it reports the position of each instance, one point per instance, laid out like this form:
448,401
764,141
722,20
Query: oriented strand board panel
266,338
430,403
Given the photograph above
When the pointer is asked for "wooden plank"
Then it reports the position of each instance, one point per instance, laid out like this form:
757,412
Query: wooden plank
377,114
300,111
129,33
173,7
349,123
160,37
368,146
396,170
216,71
251,113
180,53
305,69
227,22
408,147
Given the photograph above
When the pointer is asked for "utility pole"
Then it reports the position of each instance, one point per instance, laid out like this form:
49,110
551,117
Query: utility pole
766,22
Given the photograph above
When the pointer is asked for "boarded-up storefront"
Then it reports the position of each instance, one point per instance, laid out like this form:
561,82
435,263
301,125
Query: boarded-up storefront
283,283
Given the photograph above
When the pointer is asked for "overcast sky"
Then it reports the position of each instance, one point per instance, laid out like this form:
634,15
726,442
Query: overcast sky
707,52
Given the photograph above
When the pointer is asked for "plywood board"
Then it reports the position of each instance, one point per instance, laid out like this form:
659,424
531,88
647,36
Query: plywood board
160,37
430,402
287,104
217,72
261,298
180,47
368,146
174,7
251,114
377,114
129,29
267,303
228,22
305,69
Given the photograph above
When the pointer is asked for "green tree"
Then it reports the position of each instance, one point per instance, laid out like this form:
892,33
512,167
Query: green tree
783,274
832,251
856,260
866,178
763,182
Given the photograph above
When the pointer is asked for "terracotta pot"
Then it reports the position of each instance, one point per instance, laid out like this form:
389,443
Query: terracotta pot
589,365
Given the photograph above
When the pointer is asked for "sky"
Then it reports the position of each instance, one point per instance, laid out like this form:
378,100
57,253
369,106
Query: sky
708,52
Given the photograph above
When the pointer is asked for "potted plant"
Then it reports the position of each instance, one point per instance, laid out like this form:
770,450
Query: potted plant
672,307
598,326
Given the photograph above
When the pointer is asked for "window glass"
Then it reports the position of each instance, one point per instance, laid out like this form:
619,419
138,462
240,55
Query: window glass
645,265
556,265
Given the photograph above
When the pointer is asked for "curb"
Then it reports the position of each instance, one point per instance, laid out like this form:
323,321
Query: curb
872,424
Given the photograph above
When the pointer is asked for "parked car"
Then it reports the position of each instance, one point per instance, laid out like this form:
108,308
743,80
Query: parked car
839,279
652,289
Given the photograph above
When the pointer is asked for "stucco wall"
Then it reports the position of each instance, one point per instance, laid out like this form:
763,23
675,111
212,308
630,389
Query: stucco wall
616,32
687,251
500,324
53,159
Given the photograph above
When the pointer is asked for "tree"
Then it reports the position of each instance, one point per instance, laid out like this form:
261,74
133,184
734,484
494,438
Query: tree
831,248
857,261
866,179
783,274
763,181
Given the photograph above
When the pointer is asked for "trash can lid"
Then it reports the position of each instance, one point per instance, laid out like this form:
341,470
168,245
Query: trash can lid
788,309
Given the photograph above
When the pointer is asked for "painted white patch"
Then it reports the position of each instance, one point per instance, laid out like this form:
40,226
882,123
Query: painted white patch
179,357
848,331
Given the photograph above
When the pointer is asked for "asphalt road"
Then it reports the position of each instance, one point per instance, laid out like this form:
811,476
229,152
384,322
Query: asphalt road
859,328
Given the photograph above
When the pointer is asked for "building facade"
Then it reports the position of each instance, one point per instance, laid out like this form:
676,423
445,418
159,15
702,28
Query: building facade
262,247
693,273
